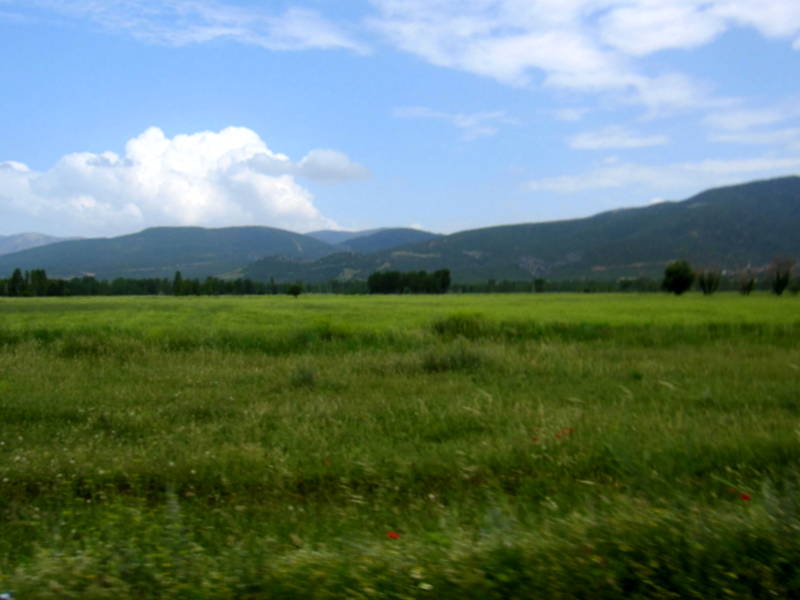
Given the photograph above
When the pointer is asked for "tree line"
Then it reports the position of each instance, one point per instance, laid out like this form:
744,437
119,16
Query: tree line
410,282
679,277
37,283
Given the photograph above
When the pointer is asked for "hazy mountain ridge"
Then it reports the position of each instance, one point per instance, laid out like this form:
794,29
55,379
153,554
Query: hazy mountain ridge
160,251
23,241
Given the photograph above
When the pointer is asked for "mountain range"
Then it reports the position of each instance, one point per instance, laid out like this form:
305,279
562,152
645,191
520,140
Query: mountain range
729,227
23,241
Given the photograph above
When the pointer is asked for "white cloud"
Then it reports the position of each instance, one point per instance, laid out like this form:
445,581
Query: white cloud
472,125
570,114
322,165
330,166
187,22
741,119
664,178
773,18
788,137
210,178
583,45
642,28
614,138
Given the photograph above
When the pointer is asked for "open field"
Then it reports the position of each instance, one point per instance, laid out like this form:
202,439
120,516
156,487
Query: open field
508,446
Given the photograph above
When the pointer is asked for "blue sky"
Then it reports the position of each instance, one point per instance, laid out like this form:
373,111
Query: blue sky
443,114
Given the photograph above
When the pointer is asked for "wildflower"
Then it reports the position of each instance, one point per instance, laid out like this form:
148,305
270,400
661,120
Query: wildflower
392,535
564,433
745,497
535,439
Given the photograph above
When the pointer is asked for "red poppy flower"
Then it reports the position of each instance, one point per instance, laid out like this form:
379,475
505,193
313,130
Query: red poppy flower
745,497
392,535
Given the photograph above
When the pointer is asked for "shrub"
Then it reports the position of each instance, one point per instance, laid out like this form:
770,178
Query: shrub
678,277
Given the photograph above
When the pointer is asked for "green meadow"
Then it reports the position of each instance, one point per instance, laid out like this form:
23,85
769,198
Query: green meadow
459,446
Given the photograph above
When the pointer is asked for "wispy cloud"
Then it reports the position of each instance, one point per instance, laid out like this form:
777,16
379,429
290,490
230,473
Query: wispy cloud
780,137
746,118
613,138
471,125
570,114
668,177
590,46
187,22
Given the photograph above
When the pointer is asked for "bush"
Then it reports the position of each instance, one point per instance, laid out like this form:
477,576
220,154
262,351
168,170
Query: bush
678,277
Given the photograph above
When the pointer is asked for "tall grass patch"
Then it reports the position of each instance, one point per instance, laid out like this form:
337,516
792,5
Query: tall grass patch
400,447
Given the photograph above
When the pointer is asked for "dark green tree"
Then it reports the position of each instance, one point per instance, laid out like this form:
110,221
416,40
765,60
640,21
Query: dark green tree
708,280
16,285
678,277
780,271
177,284
441,279
294,290
38,284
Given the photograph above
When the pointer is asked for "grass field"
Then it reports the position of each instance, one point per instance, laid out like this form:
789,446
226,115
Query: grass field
506,446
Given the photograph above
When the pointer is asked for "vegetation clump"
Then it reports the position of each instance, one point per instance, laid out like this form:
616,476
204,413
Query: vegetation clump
678,277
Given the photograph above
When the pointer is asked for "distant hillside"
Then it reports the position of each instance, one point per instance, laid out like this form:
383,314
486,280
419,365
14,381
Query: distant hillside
386,239
373,240
160,251
728,227
330,236
23,241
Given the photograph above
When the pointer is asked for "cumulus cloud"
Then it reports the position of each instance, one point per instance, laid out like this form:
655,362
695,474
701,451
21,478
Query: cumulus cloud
615,138
472,125
664,178
210,178
187,22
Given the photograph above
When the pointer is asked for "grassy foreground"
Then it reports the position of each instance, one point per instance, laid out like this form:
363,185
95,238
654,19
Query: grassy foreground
515,446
